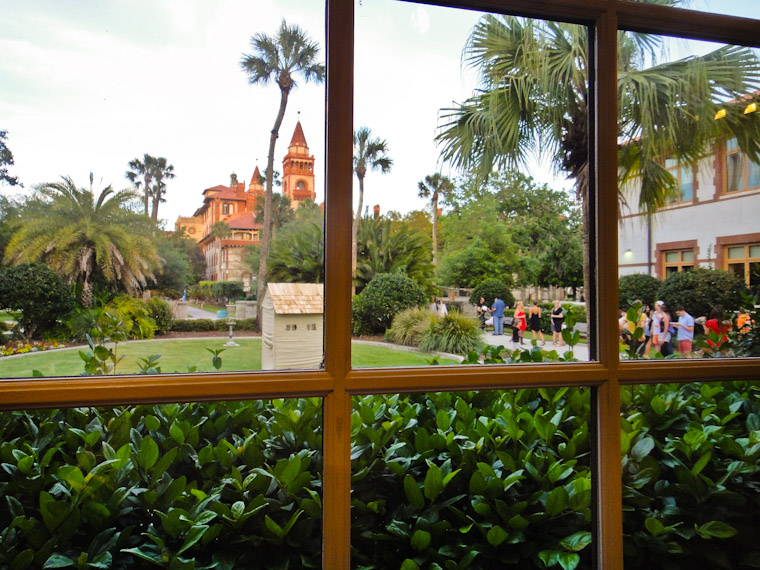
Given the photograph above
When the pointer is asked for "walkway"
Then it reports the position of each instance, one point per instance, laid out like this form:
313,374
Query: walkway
193,313
580,350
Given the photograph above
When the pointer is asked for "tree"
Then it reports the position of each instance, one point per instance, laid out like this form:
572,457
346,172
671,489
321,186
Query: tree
298,256
433,186
279,58
38,294
534,100
142,169
282,212
369,154
161,171
220,230
6,159
78,235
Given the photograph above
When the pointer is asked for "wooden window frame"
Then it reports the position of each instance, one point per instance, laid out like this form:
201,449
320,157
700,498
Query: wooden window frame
337,383
676,171
744,173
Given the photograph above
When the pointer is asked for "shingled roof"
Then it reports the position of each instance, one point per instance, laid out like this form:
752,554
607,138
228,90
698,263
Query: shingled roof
297,298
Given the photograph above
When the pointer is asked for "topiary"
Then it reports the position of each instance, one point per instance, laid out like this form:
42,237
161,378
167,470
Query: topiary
637,287
701,289
382,299
491,288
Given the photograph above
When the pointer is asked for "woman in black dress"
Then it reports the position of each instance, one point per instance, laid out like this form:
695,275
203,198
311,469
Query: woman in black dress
558,319
534,315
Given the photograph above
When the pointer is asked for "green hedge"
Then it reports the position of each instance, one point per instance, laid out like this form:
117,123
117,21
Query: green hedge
200,325
452,480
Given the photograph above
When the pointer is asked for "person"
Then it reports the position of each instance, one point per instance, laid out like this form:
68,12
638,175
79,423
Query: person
685,327
558,319
483,312
434,306
646,317
498,316
660,326
716,324
535,321
520,322
625,327
442,309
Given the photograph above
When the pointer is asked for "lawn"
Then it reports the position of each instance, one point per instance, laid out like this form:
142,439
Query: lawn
178,355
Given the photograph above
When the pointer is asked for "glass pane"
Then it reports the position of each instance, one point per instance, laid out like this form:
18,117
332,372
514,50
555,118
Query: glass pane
753,175
678,442
742,8
471,479
429,210
213,485
674,257
754,251
736,252
188,240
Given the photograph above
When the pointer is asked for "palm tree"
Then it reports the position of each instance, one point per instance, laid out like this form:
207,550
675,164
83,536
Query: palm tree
432,187
77,235
279,58
282,212
369,154
534,101
144,169
161,171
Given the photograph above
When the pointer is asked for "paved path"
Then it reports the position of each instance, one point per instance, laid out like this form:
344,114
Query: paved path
193,313
580,350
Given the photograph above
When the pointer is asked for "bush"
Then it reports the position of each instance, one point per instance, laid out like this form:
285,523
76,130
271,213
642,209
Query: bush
209,325
698,291
637,287
382,299
161,313
453,333
37,296
489,289
132,313
407,326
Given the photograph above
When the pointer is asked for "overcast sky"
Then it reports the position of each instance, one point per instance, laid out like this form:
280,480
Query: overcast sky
87,85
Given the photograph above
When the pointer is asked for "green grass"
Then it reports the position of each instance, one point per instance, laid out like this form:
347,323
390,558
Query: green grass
177,355
6,316
208,307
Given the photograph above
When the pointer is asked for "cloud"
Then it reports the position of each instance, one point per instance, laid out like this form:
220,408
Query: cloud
421,20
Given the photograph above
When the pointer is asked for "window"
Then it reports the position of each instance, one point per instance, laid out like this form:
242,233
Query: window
741,173
300,185
675,261
338,382
684,175
225,209
744,262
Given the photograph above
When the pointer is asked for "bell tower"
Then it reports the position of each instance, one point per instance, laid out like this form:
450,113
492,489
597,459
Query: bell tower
298,170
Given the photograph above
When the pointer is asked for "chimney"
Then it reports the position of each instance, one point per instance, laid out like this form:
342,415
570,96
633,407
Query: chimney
376,211
233,180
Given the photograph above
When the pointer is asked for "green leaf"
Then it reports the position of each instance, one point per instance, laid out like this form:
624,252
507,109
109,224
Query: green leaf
146,555
701,464
420,540
433,483
716,529
23,560
409,564
577,541
496,535
642,448
148,453
413,493
557,501
443,419
569,560
192,536
58,561
654,526
273,527
152,423
176,433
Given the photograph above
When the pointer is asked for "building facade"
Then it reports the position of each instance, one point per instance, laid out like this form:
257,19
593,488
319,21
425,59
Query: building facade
235,205
715,222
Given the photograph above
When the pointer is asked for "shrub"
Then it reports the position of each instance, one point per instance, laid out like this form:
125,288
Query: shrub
701,289
161,313
454,333
637,287
407,326
218,292
37,296
134,315
489,289
193,325
382,299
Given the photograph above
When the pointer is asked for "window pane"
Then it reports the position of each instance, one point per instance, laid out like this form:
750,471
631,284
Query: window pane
753,175
743,8
754,251
222,484
476,479
187,243
457,234
678,442
673,254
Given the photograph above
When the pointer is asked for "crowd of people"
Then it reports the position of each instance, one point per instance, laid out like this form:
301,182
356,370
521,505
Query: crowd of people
522,321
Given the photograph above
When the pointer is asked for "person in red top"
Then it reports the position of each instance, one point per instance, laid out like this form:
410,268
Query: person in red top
520,321
715,323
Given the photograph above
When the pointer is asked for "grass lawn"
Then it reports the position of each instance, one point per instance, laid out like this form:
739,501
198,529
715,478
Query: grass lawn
177,355
208,307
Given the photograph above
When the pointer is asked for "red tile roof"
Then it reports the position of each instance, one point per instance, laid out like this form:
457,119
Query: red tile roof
243,222
298,136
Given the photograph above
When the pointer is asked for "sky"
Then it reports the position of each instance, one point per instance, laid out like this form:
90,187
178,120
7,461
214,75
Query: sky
88,85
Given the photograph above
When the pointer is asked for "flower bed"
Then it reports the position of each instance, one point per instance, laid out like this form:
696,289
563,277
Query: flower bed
24,347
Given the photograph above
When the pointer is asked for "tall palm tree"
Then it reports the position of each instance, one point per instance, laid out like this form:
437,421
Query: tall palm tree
433,187
77,234
279,59
369,154
282,212
144,169
534,101
161,171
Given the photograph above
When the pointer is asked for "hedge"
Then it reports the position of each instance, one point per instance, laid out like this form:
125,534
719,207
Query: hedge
200,325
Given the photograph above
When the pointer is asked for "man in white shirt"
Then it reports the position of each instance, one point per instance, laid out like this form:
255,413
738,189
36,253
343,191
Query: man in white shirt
685,326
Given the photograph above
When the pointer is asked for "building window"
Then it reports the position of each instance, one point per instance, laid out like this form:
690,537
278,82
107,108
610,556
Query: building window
300,185
744,262
678,260
741,173
684,175
291,327
311,327
225,208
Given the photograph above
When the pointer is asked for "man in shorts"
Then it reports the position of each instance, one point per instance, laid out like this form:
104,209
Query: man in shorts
685,326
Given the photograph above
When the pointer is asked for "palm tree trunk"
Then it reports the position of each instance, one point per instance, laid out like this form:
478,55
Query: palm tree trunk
267,229
87,292
354,232
146,185
435,229
156,200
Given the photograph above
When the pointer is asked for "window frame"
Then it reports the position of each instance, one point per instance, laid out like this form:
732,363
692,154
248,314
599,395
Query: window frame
744,165
677,170
338,382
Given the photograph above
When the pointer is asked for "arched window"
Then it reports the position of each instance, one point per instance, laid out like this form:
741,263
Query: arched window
300,185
